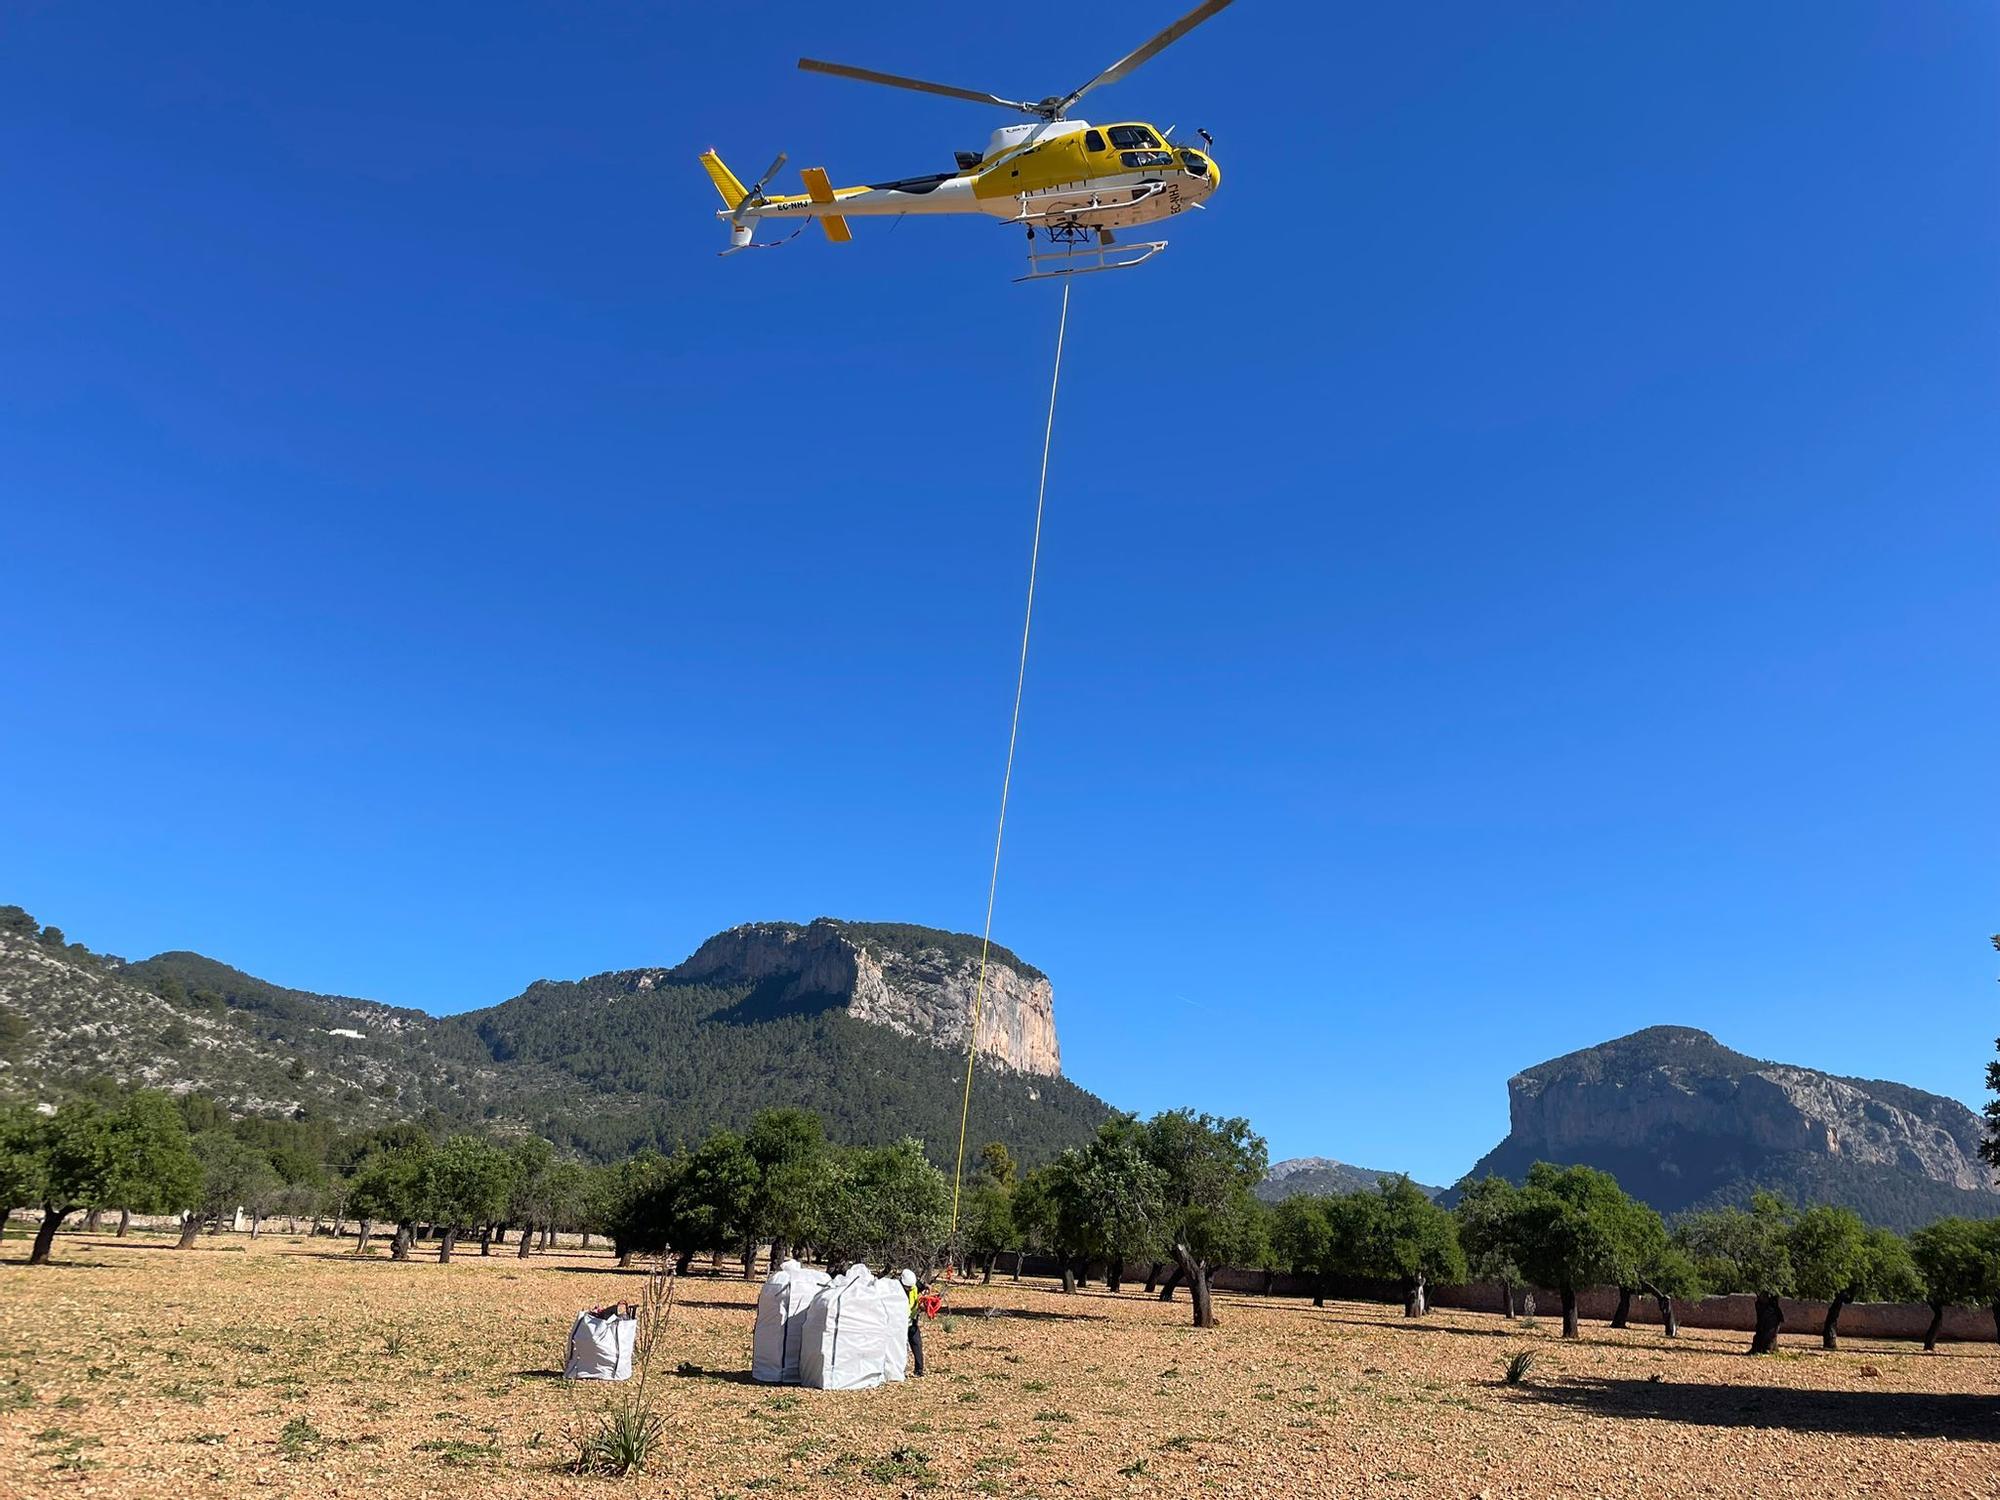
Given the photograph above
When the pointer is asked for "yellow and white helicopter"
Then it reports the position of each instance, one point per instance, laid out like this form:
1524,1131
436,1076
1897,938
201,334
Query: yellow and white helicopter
1074,181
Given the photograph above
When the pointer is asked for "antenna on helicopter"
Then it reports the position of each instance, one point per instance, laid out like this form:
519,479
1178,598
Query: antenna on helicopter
1056,105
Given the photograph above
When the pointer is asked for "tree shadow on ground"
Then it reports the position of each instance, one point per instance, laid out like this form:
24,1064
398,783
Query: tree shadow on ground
1035,1314
1906,1414
720,1377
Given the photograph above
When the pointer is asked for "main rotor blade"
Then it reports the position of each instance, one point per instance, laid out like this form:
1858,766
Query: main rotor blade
896,80
1131,61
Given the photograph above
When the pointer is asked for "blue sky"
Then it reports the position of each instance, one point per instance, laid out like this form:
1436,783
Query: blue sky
1518,569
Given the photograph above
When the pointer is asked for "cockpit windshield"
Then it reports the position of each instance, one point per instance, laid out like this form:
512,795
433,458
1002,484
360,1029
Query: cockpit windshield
1133,138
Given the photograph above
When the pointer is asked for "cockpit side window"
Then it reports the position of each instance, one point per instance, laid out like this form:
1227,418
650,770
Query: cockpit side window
1132,137
1138,159
1093,140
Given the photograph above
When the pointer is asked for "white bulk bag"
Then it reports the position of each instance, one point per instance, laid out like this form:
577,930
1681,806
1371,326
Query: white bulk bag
781,1322
601,1348
850,1329
896,1342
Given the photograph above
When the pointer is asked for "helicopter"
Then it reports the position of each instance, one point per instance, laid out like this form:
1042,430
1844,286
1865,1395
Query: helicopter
1073,182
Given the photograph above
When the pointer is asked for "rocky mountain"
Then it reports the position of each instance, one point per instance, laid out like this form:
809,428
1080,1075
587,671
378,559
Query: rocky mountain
864,1023
1683,1122
912,980
1322,1174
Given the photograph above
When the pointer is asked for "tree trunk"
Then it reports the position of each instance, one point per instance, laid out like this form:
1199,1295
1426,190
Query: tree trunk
1669,1325
1196,1275
680,1266
486,1240
986,1277
750,1262
1270,1280
447,1242
1414,1304
1069,1275
124,1221
46,1236
1622,1318
1019,1256
527,1242
586,1239
1996,1320
1770,1320
1319,1291
190,1230
1506,1298
256,1223
93,1221
1937,1323
1167,1286
1114,1275
1153,1276
500,1233
399,1247
361,1240
1829,1333
1569,1312
548,1236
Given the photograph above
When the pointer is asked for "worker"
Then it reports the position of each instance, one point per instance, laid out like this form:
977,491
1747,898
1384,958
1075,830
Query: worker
912,1290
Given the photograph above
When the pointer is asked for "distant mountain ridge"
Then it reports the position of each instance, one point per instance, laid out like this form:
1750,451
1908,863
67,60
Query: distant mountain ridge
1322,1174
1685,1122
864,1023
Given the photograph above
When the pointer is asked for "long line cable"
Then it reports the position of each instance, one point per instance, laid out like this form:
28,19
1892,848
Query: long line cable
1007,777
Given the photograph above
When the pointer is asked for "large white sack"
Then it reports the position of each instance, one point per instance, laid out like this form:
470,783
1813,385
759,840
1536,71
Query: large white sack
781,1320
601,1348
896,1341
845,1343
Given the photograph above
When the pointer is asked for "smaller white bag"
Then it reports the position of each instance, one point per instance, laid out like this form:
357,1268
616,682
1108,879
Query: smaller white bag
776,1341
601,1348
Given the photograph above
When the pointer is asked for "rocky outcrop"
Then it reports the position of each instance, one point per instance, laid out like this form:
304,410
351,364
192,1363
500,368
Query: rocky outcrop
1681,1120
916,981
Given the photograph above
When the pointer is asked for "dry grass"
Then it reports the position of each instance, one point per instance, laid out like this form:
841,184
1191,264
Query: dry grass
131,1369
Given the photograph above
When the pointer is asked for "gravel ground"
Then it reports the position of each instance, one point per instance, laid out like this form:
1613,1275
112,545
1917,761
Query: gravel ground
133,1369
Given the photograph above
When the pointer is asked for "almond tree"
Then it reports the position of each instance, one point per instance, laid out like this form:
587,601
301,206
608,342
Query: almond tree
155,1168
1485,1215
466,1182
1829,1261
1959,1261
1209,1167
1569,1226
1739,1250
1301,1239
75,1162
1409,1240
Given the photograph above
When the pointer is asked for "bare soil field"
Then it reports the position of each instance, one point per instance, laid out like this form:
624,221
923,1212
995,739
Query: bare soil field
131,1369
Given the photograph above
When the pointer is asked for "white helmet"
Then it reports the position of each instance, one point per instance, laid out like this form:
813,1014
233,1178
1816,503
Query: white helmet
908,1278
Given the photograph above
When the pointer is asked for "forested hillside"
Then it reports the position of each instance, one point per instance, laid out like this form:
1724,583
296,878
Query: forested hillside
602,1066
672,1060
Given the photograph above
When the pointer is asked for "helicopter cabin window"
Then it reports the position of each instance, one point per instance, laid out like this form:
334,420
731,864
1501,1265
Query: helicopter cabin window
1132,137
1147,158
1093,140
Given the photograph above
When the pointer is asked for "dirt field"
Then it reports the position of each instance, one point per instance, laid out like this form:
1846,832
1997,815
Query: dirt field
132,1369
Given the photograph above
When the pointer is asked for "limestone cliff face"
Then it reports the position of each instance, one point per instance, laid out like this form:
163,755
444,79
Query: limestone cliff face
1680,1119
912,980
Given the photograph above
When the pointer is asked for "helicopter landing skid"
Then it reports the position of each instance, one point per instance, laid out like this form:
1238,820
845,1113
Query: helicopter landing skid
1078,250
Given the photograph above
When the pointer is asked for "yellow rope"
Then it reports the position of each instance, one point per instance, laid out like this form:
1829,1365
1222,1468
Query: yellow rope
1007,778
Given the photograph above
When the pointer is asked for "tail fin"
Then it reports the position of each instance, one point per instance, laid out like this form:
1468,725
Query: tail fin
820,190
733,192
